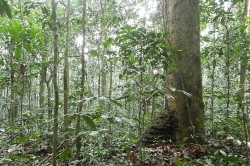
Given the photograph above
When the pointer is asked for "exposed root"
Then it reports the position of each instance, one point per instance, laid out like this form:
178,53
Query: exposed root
164,128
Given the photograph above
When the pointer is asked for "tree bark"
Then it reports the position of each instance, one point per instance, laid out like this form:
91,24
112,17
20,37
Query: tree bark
242,83
103,79
243,66
66,77
56,90
42,87
13,112
183,119
83,74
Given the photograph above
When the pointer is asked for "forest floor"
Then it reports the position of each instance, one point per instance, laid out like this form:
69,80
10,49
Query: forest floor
223,153
18,149
220,153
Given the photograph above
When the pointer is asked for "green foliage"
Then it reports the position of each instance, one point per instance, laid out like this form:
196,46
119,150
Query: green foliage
136,42
133,58
220,157
5,8
65,155
140,51
89,122
22,37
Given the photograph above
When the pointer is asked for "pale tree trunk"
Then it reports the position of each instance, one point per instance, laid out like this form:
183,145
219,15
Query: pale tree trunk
56,91
227,73
47,81
110,81
42,87
66,76
103,88
103,81
243,66
13,100
13,104
213,128
13,87
30,90
43,80
183,119
23,82
242,83
83,74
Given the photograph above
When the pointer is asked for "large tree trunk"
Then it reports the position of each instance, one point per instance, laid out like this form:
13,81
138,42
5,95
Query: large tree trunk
183,119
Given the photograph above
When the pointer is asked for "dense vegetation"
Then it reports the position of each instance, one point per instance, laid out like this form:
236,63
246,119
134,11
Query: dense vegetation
81,81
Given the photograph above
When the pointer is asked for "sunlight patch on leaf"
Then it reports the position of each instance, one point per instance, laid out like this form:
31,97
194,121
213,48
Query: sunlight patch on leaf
223,153
94,133
172,89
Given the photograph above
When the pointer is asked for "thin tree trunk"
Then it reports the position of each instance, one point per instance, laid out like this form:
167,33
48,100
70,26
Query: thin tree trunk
13,105
243,71
66,76
42,87
56,91
212,90
228,72
110,82
13,110
83,73
103,85
47,81
22,76
243,65
30,90
141,110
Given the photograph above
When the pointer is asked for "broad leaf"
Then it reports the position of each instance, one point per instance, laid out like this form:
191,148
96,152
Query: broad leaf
89,122
18,52
65,155
5,6
115,102
1,62
178,162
